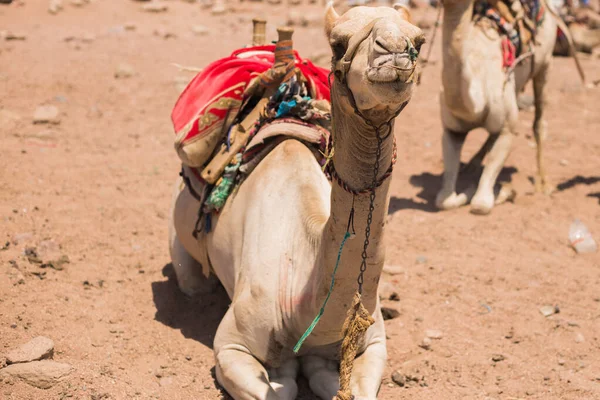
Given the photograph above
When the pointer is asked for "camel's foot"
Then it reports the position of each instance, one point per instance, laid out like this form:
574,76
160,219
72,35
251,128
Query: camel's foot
323,376
445,201
482,203
542,186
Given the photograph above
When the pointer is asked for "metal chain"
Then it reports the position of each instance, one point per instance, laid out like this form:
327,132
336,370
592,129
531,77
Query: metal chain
374,184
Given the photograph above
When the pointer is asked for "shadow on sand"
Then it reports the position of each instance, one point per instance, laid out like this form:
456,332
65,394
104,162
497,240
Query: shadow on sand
430,184
197,318
578,180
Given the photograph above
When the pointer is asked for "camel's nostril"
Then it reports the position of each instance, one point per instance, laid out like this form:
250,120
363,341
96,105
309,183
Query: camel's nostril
381,43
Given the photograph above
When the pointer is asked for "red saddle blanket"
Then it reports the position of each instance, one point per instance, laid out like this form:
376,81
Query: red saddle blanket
213,98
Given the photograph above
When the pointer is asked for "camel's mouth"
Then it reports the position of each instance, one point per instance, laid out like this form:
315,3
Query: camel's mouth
391,68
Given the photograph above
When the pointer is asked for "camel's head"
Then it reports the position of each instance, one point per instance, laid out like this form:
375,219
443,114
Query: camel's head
375,51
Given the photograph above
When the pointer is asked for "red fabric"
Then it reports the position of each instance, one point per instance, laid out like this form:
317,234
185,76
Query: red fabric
508,53
195,111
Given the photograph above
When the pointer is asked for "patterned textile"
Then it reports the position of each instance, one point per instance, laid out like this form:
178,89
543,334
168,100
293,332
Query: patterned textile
515,38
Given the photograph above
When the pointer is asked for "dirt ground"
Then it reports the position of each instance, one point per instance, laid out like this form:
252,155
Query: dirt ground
96,188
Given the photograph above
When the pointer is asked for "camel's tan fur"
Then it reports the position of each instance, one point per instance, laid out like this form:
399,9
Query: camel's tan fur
477,93
274,245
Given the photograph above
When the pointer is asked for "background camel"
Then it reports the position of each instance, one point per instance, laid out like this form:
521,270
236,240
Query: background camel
275,243
478,93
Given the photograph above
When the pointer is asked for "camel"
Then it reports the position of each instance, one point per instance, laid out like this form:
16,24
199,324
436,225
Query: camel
478,93
274,245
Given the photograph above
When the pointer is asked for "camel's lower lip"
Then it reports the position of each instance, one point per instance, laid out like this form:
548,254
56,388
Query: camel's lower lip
379,75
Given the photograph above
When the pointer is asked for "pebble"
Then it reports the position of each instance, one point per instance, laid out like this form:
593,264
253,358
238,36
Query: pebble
421,259
124,71
8,35
389,313
561,361
79,3
399,378
200,30
498,358
218,9
155,7
433,334
46,114
387,291
579,338
164,33
549,310
130,26
36,349
426,343
564,162
393,270
55,6
41,374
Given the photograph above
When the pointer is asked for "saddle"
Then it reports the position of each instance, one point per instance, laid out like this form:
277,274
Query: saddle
516,20
233,113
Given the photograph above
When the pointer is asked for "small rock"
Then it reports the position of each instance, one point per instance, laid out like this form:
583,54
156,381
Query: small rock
389,313
155,7
433,334
200,30
58,265
164,33
8,35
22,238
421,259
393,270
124,71
564,162
46,114
579,338
79,3
36,349
189,358
561,361
218,9
130,26
295,18
426,343
41,374
498,358
387,291
399,378
166,381
55,6
549,310
274,1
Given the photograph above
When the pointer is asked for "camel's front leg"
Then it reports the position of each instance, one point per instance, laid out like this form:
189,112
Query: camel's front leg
452,143
241,374
539,129
483,201
369,366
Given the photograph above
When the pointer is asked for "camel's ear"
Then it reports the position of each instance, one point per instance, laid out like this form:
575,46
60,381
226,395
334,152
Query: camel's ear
403,10
331,18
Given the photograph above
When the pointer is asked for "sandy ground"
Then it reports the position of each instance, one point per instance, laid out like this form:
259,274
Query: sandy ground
96,187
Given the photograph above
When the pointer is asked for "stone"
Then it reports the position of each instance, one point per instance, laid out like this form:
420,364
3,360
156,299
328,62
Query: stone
8,35
399,378
389,313
164,33
579,338
55,6
498,358
421,260
218,9
426,343
130,26
79,3
124,71
41,374
433,334
393,270
38,348
155,7
549,310
387,291
46,114
200,30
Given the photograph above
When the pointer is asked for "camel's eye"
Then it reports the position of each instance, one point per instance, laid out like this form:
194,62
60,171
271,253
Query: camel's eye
339,49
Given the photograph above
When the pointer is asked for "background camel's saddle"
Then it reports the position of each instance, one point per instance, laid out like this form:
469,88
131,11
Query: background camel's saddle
239,108
516,20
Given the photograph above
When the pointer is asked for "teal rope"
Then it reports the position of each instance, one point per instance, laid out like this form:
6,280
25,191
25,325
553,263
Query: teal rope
322,310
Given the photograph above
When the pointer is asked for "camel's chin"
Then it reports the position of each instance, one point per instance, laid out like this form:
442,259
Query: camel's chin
392,93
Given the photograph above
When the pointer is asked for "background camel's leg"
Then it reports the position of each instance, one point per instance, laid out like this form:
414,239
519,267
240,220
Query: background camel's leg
240,373
323,376
369,366
483,201
474,165
452,144
539,129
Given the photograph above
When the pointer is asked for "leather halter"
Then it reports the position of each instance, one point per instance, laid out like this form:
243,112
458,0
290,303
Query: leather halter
342,66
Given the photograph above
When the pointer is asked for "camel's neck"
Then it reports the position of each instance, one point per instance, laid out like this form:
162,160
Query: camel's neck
354,159
456,29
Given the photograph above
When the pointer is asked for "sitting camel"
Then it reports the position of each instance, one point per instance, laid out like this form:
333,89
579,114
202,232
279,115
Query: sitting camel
478,93
275,243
